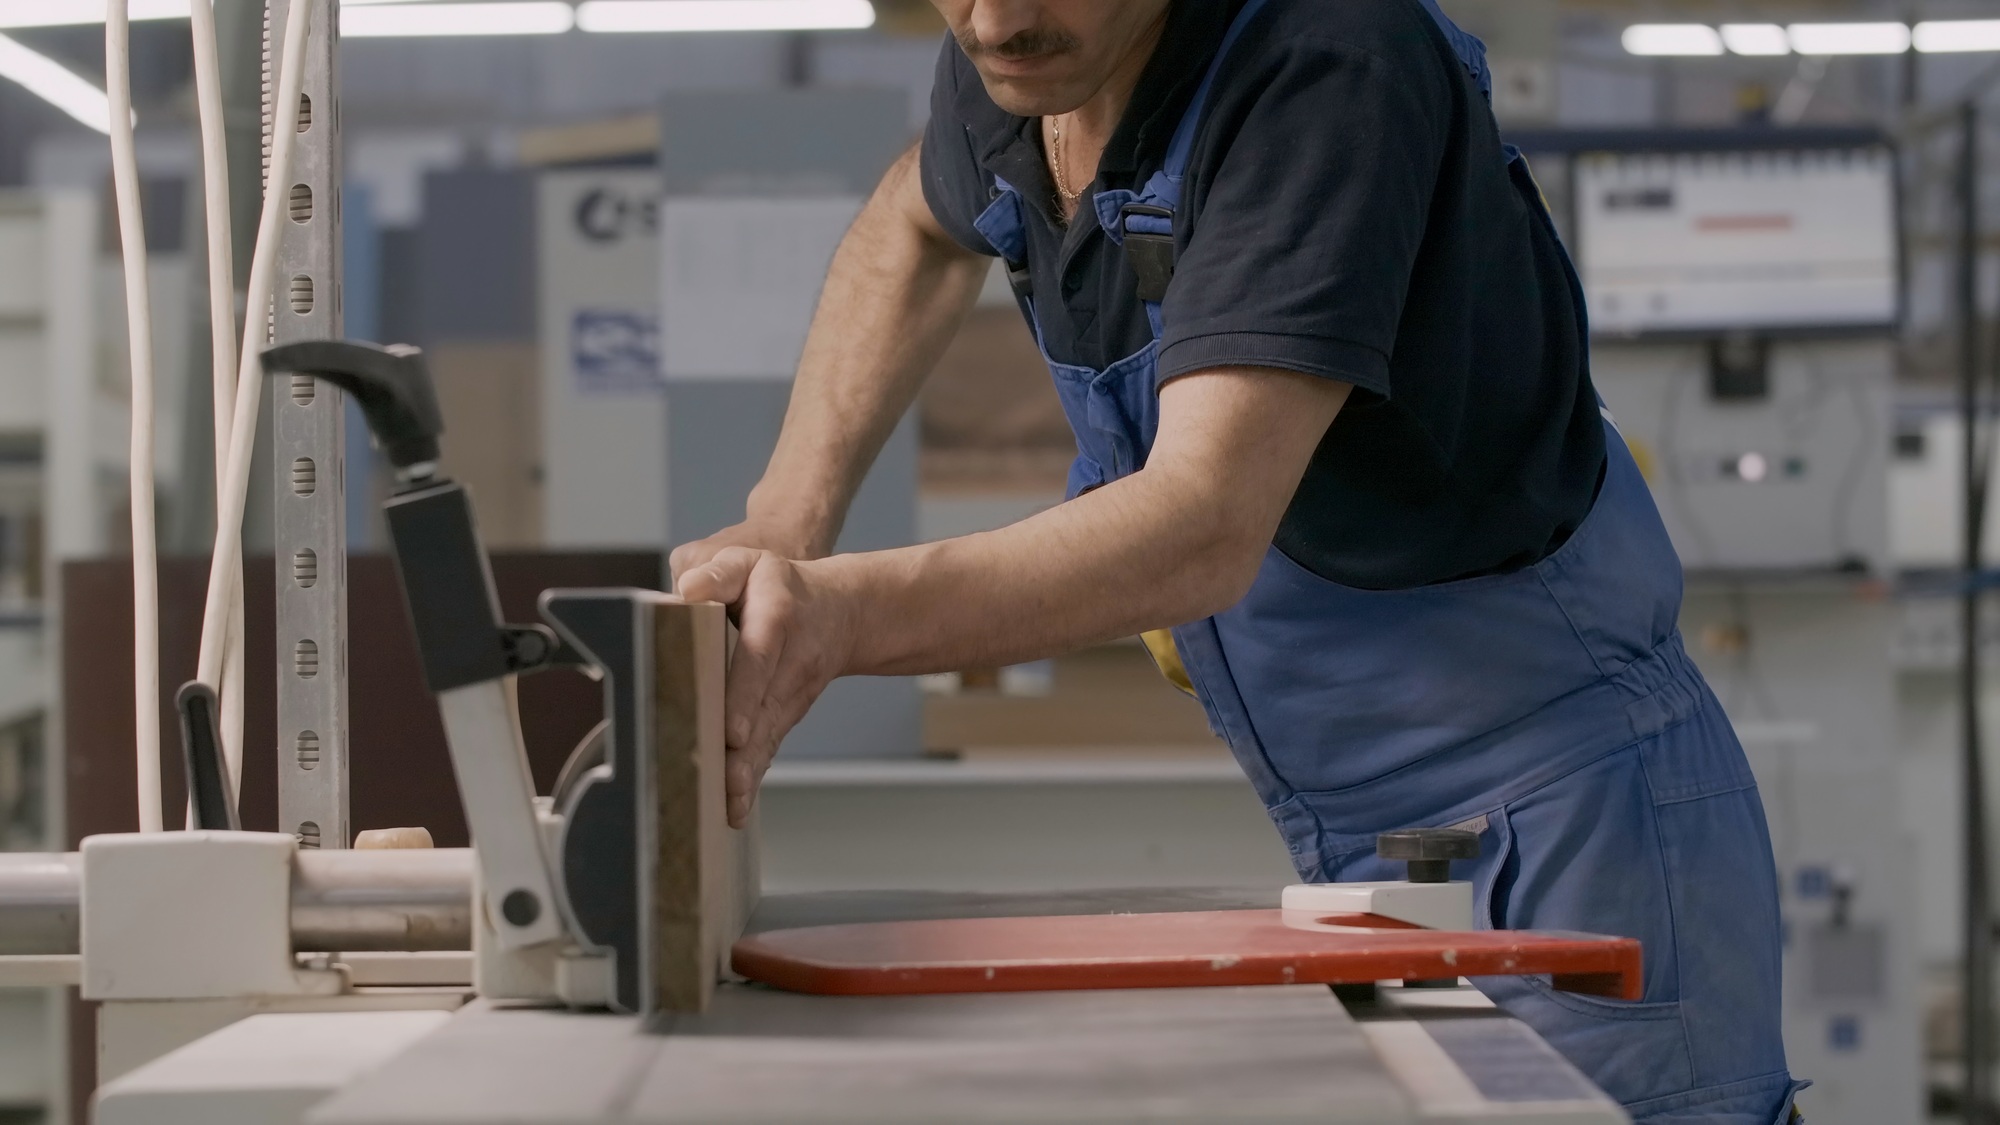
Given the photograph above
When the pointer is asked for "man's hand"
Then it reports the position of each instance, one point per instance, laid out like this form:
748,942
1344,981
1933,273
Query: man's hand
796,632
754,533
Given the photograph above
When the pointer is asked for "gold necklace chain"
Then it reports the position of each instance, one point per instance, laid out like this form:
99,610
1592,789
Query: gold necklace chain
1055,157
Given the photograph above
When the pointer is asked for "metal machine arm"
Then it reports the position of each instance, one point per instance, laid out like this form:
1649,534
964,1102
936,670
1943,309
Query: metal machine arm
468,652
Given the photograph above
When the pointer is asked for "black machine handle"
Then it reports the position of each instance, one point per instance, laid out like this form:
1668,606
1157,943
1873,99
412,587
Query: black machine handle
392,385
201,754
447,584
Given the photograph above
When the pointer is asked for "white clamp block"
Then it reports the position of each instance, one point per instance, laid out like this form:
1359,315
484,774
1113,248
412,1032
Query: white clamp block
1436,906
192,916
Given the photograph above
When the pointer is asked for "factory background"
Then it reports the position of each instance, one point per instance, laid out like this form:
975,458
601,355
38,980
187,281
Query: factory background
609,245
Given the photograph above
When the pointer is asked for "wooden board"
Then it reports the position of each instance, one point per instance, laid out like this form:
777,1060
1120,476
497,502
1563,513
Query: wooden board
705,880
1180,950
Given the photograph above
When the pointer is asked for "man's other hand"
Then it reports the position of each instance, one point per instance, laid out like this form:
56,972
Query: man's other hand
795,634
756,534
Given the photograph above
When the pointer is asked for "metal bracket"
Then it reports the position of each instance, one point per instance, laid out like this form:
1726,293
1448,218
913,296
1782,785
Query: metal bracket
605,847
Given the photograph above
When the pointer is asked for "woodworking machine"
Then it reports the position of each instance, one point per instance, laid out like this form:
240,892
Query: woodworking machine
244,978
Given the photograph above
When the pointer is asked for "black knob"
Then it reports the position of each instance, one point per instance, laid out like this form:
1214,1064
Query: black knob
1428,851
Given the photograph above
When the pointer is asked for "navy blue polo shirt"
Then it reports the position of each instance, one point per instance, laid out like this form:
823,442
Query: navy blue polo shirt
1347,214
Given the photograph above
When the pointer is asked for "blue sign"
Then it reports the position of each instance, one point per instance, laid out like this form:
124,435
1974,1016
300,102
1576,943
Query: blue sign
1843,1033
1814,882
615,351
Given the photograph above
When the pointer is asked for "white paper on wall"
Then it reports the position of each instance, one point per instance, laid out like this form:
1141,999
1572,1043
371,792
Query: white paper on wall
739,280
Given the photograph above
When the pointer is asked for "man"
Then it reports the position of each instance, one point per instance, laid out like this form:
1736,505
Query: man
1325,360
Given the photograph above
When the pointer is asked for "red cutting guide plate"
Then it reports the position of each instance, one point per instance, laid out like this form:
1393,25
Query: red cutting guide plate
1181,950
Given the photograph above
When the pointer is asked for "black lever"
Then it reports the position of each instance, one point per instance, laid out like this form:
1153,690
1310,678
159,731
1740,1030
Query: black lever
201,753
391,384
447,582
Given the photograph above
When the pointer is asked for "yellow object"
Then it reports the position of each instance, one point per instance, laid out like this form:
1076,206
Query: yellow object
1643,455
1160,642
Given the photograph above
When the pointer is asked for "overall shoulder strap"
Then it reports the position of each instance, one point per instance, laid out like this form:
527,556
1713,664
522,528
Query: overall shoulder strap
1175,166
1465,45
1144,221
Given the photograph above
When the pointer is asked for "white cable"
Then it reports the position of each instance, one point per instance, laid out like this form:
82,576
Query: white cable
222,346
249,375
139,337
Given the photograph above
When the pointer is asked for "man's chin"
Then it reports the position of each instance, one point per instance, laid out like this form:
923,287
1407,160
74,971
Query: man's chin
1025,95
1031,99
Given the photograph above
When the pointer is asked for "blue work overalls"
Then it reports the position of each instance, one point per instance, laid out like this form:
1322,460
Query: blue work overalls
1552,709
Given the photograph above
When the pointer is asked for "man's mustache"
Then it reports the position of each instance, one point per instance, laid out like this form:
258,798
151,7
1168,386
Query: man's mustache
1033,43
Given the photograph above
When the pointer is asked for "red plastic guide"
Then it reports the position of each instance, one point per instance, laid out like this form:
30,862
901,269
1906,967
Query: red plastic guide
1177,950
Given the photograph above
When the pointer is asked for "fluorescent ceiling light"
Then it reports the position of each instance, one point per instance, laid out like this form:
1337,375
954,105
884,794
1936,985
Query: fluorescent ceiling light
1749,39
1850,38
56,84
533,17
724,15
1672,39
58,13
1945,36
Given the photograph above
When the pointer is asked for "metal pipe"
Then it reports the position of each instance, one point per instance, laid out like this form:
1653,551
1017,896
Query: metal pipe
342,901
40,902
1977,998
403,900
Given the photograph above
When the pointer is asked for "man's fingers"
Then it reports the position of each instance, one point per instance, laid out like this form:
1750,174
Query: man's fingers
764,626
787,695
749,678
720,579
688,556
684,558
740,786
781,662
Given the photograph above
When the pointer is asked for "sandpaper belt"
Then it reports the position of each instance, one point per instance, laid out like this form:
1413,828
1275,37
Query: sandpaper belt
1179,950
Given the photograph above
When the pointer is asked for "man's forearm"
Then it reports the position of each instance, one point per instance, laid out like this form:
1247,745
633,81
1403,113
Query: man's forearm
1182,539
1106,565
896,292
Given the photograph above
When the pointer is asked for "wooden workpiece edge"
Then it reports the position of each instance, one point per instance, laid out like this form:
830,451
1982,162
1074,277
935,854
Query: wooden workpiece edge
706,880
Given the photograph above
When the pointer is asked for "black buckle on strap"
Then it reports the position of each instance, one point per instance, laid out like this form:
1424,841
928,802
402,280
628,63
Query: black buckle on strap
1150,254
1020,280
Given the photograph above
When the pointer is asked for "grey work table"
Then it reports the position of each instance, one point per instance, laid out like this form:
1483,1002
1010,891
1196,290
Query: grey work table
1273,1054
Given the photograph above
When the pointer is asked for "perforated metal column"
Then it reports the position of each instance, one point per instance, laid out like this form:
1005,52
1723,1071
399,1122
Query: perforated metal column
309,523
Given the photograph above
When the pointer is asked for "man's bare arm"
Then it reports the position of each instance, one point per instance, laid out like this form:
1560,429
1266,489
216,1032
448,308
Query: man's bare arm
1179,540
897,290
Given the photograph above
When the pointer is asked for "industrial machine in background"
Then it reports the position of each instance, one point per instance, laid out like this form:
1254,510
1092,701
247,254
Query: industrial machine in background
1744,288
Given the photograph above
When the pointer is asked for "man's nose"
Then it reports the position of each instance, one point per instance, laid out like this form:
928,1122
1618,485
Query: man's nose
996,21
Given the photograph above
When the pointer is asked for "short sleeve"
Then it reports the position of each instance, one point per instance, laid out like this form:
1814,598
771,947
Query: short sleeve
954,185
1309,196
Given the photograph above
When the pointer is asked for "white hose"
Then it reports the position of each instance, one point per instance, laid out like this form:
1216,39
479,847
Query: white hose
222,347
139,335
249,377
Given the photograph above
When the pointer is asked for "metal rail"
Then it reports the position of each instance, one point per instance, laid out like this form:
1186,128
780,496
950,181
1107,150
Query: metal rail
309,519
342,901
